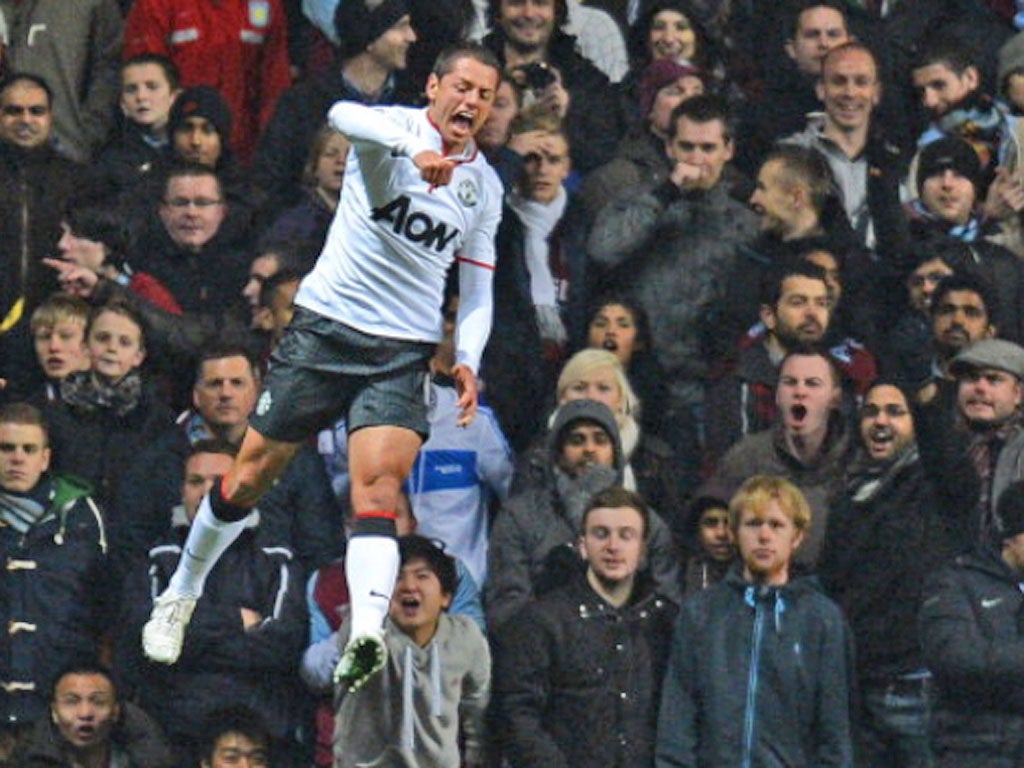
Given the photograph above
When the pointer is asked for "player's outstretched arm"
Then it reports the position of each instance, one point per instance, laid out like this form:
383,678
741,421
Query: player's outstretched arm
375,125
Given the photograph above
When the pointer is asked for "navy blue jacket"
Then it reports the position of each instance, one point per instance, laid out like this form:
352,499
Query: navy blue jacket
758,676
54,596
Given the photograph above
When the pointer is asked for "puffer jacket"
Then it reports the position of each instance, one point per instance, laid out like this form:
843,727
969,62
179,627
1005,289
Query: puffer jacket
974,645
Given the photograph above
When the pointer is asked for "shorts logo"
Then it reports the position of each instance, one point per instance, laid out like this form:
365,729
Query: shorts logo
264,403
415,226
467,193
259,13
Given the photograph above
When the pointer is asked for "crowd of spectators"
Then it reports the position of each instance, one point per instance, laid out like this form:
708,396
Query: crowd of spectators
747,483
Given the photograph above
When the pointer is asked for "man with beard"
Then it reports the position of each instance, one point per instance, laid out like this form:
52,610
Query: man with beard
795,310
961,314
949,177
885,534
807,444
35,185
979,445
800,213
531,543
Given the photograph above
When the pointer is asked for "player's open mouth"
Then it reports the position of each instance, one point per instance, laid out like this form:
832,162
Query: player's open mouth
610,344
463,120
798,412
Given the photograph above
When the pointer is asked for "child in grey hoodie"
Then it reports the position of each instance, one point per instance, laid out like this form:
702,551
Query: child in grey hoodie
435,686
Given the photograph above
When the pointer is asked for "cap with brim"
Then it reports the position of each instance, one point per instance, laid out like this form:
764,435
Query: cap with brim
999,354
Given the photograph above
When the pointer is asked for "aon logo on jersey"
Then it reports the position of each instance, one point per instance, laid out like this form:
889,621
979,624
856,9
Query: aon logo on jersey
415,226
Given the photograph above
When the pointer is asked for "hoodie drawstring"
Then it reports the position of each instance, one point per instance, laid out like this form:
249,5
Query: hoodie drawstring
436,699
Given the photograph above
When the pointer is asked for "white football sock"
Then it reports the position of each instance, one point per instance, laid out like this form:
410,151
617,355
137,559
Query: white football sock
208,538
371,567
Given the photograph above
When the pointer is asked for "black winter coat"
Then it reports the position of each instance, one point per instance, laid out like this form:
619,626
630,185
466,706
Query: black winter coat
577,681
136,736
973,641
878,550
222,662
54,595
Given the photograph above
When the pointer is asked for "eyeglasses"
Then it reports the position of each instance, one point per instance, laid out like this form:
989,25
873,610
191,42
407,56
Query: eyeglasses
929,277
198,202
13,110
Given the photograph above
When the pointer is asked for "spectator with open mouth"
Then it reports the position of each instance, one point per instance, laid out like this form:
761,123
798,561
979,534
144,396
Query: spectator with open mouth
618,324
808,444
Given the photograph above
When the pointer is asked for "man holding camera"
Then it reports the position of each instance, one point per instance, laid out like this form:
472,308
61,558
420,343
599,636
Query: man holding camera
541,59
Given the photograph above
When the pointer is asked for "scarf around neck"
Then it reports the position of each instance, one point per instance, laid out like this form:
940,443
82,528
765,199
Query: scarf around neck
87,393
539,221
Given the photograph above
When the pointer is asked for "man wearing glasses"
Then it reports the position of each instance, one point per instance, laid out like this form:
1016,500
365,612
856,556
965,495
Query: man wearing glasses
182,249
35,183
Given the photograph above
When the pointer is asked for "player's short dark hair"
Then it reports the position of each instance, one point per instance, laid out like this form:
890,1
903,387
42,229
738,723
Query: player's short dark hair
171,71
445,61
236,718
415,547
704,108
617,496
16,78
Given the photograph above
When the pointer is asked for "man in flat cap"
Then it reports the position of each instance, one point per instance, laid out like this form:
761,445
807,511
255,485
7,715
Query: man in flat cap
984,447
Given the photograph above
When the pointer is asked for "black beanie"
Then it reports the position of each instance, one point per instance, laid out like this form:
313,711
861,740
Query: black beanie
202,101
360,22
949,153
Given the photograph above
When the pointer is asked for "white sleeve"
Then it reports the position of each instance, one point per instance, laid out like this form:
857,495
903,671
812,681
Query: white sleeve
476,276
374,125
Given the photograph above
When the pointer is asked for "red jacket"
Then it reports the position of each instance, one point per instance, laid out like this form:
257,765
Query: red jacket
240,47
